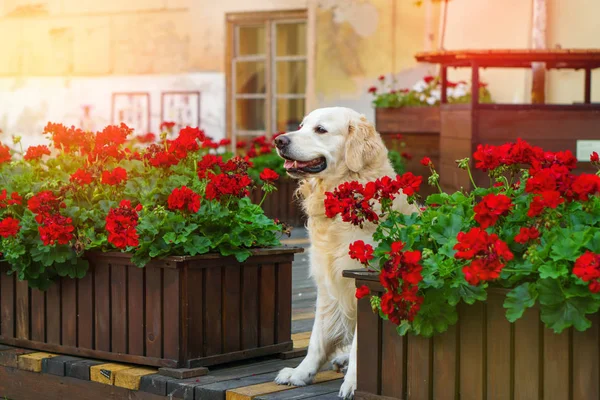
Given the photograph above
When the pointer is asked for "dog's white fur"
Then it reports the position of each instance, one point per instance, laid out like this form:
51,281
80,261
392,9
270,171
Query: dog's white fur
354,151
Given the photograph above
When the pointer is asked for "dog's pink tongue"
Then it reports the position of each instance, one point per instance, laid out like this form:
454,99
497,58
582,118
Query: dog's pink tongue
288,164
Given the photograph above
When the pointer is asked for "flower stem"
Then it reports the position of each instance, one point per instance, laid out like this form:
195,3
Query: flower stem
471,177
263,199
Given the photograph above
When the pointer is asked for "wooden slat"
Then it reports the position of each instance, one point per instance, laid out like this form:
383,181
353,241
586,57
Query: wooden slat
250,296
231,308
53,320
527,356
368,357
171,314
498,350
32,362
556,365
7,316
69,312
195,294
135,308
284,302
118,305
38,321
393,362
586,351
444,365
471,351
418,366
153,312
22,309
102,303
267,305
85,311
213,312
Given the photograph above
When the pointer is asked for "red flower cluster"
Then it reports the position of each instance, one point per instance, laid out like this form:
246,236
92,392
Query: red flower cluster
547,199
184,199
492,207
44,204
361,252
587,268
189,140
167,126
400,276
114,177
527,234
362,292
269,175
121,225
9,227
225,184
147,138
372,89
4,153
81,177
426,161
15,199
56,228
488,255
594,158
36,152
67,139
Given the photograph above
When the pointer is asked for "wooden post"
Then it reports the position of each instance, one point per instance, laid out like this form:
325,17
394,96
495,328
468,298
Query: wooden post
538,83
588,86
444,78
474,83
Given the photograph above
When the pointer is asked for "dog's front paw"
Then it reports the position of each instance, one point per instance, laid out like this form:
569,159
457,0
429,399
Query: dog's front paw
340,363
348,387
294,376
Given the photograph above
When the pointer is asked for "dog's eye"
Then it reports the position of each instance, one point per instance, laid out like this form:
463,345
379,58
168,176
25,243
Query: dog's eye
320,129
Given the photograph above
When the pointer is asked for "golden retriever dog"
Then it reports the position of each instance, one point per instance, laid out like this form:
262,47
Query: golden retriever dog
332,146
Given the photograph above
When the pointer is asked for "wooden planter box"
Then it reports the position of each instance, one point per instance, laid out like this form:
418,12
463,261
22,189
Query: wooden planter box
175,312
282,204
482,357
420,128
552,127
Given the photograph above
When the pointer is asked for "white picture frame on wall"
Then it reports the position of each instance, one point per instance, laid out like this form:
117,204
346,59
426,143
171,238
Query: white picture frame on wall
133,109
180,107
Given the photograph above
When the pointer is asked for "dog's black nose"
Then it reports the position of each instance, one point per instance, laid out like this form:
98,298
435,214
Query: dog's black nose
282,141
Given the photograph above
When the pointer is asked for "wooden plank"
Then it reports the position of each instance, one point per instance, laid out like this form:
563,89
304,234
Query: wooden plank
183,373
32,362
306,392
118,314
556,365
368,357
471,351
53,310
444,365
7,292
155,384
267,305
407,119
102,304
195,292
217,391
105,373
69,312
527,356
231,308
250,296
130,378
22,309
585,362
171,314
393,362
85,311
153,312
284,303
57,365
135,310
38,320
10,358
16,384
213,321
499,372
251,392
80,369
418,366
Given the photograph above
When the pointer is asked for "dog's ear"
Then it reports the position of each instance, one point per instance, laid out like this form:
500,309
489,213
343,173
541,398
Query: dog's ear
363,144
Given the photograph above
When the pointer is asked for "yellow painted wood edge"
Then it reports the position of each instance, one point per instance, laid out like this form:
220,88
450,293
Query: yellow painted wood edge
105,373
130,378
301,335
301,344
32,362
250,392
303,316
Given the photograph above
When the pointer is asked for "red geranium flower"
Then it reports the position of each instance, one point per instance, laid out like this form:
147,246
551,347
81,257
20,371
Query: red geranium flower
362,292
167,126
14,199
269,175
4,153
586,185
492,207
44,204
594,158
527,234
81,177
184,199
56,228
587,268
373,89
428,78
147,138
361,251
409,183
547,199
426,161
121,225
36,152
9,227
114,177
406,155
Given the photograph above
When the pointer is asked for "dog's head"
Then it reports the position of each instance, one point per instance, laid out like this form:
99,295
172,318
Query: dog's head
330,140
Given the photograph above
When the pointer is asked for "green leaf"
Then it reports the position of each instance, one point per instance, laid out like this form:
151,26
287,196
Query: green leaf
446,228
435,314
553,270
519,299
403,328
197,245
467,293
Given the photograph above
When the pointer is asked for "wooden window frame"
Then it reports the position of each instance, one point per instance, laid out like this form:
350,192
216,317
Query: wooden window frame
269,19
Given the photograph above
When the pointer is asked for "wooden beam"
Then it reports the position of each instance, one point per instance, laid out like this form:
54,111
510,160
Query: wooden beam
588,86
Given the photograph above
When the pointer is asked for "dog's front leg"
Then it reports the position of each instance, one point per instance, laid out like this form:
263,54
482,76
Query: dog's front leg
319,349
349,385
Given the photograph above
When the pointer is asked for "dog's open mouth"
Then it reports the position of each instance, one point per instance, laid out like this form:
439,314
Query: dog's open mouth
310,167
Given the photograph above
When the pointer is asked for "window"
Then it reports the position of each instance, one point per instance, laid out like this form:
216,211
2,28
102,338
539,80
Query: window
266,72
